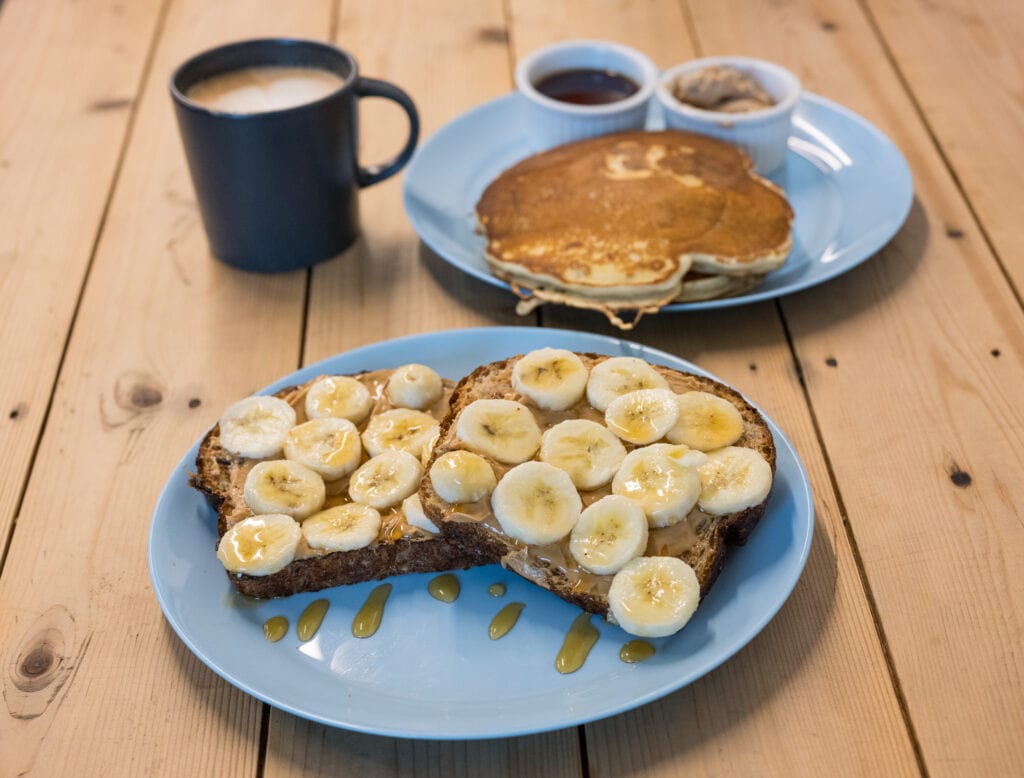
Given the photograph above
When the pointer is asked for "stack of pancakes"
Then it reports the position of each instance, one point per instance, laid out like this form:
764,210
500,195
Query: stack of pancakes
630,222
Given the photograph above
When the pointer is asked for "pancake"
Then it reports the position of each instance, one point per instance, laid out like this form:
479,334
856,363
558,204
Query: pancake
615,223
699,286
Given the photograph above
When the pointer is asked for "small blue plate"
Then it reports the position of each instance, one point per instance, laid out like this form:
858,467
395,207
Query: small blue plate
849,186
431,671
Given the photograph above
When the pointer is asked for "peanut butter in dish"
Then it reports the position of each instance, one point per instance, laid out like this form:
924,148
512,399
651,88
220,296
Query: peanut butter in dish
721,88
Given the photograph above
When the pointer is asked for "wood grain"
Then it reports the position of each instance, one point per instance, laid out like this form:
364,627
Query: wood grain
62,128
389,285
917,413
971,102
94,680
790,702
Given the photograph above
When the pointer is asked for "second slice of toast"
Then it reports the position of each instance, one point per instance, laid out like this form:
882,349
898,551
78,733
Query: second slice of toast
701,540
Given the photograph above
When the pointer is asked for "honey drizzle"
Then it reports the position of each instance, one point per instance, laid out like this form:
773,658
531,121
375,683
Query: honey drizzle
275,628
368,619
311,619
444,588
636,651
579,640
505,619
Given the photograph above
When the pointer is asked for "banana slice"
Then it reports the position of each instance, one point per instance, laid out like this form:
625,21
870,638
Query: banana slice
401,429
462,476
504,430
414,514
414,386
340,396
643,416
554,378
653,596
663,480
732,479
342,528
586,450
618,376
536,503
256,426
329,446
386,479
428,447
260,545
284,486
609,533
706,422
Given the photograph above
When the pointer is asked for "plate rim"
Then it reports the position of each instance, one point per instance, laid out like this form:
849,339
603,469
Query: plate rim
803,496
866,252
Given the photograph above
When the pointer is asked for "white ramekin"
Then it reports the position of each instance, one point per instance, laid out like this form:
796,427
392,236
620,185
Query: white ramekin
551,122
762,134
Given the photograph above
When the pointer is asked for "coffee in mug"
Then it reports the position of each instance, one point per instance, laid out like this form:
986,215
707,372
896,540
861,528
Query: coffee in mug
265,88
270,133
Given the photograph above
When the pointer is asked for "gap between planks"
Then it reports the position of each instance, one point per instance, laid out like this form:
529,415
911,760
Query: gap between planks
933,136
129,128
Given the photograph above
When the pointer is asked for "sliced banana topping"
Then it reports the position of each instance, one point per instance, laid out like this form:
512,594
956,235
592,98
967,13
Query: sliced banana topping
589,452
414,514
553,378
462,476
340,396
536,503
401,429
502,429
386,479
609,533
256,426
342,528
618,376
414,386
327,445
663,480
732,479
284,486
643,416
260,545
706,422
654,596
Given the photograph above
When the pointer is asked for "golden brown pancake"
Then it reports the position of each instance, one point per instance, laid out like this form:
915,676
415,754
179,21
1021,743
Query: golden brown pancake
616,222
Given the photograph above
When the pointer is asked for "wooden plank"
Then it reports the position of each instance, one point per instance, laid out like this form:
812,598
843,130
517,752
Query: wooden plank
64,110
94,680
812,694
910,366
971,101
449,58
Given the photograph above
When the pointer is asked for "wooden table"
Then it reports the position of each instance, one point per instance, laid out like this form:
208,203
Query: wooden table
900,652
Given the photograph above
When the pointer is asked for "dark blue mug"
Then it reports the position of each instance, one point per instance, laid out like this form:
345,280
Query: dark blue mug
278,190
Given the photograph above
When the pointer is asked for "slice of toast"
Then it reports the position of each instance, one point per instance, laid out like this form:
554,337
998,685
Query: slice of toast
399,548
701,540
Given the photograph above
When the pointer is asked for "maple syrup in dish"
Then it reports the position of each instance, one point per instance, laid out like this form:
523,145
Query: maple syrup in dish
587,86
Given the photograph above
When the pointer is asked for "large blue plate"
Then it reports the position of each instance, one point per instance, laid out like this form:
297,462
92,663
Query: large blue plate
849,186
431,671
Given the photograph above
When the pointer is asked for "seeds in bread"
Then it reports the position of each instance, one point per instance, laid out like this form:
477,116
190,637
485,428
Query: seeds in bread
698,538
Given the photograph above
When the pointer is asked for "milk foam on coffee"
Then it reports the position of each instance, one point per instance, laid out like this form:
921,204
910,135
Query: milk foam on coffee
264,88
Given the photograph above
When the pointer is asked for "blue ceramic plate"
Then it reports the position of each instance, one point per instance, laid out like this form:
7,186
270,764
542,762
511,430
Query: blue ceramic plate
431,671
849,186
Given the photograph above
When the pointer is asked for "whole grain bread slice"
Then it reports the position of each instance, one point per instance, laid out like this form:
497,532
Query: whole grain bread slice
400,548
701,540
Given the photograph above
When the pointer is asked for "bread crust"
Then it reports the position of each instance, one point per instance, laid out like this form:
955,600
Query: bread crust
217,476
714,535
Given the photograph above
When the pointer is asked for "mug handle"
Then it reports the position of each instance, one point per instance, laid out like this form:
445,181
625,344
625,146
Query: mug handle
371,87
